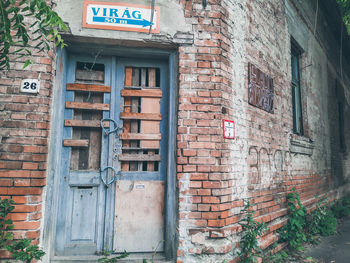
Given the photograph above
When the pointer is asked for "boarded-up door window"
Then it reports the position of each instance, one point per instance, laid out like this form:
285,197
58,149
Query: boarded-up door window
141,120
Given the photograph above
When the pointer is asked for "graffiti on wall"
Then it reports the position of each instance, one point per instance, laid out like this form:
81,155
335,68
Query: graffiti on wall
266,165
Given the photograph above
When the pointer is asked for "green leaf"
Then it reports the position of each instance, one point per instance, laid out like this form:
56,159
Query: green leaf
27,63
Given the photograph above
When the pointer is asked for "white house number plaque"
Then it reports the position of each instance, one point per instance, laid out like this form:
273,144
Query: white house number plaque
30,86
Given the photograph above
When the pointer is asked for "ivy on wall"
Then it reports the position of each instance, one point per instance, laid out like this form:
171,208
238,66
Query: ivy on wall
21,21
345,10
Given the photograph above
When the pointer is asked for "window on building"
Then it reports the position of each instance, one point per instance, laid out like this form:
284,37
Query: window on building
296,91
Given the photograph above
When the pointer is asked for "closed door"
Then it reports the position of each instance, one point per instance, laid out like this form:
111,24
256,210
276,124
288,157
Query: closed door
113,161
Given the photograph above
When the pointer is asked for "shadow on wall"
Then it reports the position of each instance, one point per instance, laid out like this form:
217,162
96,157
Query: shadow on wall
336,113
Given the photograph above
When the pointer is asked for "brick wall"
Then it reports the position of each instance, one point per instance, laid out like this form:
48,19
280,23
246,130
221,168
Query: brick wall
204,165
216,175
24,122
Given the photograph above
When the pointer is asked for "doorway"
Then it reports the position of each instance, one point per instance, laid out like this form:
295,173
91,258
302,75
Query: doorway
113,166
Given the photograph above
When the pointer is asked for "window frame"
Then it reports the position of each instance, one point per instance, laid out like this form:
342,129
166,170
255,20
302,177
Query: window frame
297,98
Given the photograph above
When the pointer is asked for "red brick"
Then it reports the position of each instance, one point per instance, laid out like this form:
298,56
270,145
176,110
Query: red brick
22,182
202,145
30,166
33,234
32,149
210,200
202,160
210,215
24,191
26,208
204,192
35,216
18,216
189,152
182,160
203,207
198,176
6,182
195,184
27,225
15,173
202,64
19,199
189,168
37,182
216,223
212,184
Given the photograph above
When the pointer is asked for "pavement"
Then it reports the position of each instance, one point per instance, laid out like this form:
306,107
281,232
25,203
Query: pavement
333,249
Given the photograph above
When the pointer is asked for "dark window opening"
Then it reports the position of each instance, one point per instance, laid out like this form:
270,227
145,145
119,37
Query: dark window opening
298,126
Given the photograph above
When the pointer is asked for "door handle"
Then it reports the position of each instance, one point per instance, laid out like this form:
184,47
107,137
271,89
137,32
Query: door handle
105,180
110,130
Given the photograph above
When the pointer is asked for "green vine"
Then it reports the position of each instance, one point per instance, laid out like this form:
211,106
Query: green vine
345,10
293,232
20,249
6,206
251,229
43,23
107,258
322,221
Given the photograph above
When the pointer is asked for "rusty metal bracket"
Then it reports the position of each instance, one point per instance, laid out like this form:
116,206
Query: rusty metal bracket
110,130
105,180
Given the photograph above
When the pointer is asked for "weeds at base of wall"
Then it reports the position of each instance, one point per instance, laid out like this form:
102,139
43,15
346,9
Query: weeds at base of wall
107,258
294,231
302,228
20,249
251,229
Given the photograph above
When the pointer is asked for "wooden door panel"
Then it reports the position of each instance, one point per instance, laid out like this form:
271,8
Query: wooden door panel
84,217
139,195
80,223
139,223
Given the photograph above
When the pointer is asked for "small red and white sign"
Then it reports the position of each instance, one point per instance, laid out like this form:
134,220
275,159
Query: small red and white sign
228,129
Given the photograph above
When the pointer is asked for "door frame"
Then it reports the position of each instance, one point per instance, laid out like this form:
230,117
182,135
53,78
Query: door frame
51,192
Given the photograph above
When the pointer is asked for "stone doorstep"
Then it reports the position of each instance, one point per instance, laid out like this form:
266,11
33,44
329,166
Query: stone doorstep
133,258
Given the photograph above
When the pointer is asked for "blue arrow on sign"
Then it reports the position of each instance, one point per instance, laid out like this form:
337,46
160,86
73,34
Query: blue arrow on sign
122,21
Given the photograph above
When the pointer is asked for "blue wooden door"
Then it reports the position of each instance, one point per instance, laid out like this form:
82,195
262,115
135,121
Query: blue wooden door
113,156
139,193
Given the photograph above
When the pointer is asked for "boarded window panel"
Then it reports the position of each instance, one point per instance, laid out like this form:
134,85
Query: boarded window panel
90,72
260,89
84,106
150,105
127,109
87,158
143,114
95,138
88,87
134,166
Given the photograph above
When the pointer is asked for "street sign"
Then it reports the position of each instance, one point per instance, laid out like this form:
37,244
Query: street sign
120,16
228,129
